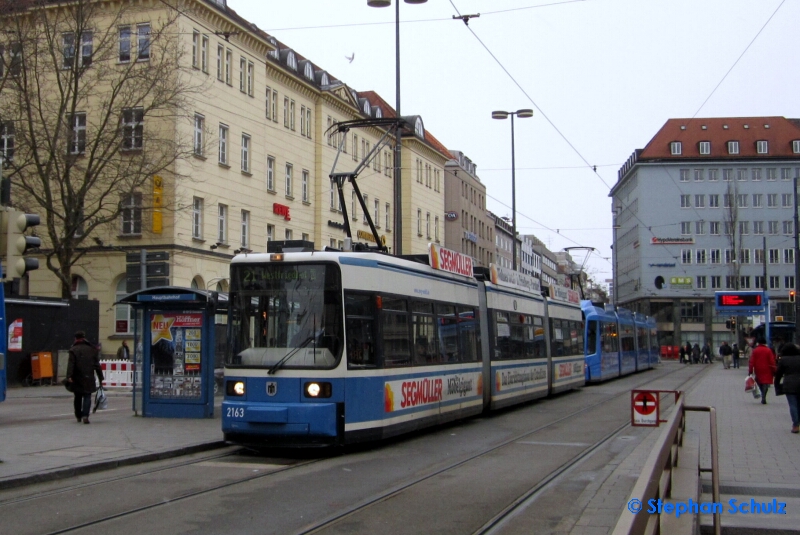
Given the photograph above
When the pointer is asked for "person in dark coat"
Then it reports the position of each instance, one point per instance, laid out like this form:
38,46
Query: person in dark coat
688,350
84,363
736,355
789,372
725,352
762,362
696,354
682,354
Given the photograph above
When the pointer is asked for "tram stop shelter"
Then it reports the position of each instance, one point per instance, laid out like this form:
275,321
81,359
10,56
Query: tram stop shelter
174,350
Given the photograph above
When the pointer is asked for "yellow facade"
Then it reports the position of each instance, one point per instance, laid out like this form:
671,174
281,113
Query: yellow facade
210,205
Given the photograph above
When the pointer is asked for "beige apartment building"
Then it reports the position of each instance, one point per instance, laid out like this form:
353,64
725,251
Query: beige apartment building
261,150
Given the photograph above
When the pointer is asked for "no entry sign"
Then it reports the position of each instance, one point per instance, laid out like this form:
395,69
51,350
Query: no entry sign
644,408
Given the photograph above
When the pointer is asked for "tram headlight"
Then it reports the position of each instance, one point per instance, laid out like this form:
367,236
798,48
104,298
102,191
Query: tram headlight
234,388
316,389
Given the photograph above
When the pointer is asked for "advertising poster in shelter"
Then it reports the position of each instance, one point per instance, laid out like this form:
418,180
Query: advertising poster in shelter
175,351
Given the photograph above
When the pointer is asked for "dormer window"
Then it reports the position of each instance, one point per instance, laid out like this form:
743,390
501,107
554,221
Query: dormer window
354,94
796,146
366,107
733,147
675,148
419,128
274,53
291,60
308,71
324,80
705,147
379,114
762,147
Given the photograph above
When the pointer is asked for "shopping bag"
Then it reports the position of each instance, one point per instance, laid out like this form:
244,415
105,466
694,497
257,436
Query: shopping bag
756,393
750,384
100,400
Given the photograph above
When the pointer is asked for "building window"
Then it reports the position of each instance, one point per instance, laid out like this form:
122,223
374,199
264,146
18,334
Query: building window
788,256
199,127
195,49
759,256
132,128
744,282
788,282
699,201
700,228
270,233
387,217
758,227
762,147
223,144
286,112
270,173
716,282
788,227
684,174
250,69
758,200
131,214
744,256
675,148
222,223
686,227
686,201
786,173
705,147
204,55
713,175
7,142
79,289
302,120
727,200
355,147
436,228
796,146
220,63
774,256
686,256
692,311
274,106
125,44
85,56
419,222
773,228
143,42
376,213
123,314
733,147
242,74
786,200
759,282
700,256
741,175
713,228
428,225
730,282
774,282
228,66
245,229
287,234
715,256
77,142
741,200
305,186
772,174
291,115
289,170
713,201
755,175
698,175
245,153
308,123
727,175
366,208
700,283
772,200
197,218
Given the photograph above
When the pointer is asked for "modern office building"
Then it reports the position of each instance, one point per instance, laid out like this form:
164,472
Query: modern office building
706,206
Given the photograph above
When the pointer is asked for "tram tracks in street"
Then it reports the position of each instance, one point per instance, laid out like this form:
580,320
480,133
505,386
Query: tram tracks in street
520,502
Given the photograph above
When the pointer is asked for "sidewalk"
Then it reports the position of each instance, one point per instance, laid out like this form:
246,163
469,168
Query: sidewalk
41,440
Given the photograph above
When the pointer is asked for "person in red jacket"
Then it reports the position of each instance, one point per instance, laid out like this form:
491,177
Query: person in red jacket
762,362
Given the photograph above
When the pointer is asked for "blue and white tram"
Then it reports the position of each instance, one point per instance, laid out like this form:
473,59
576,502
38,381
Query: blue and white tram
640,322
331,347
566,344
627,341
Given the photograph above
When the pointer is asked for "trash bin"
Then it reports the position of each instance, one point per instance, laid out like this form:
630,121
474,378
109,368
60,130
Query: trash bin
42,366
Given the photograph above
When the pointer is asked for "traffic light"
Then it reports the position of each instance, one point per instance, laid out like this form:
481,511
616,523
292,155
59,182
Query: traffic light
791,296
14,225
728,324
733,324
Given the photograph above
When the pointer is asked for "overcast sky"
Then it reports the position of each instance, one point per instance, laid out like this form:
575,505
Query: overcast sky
602,76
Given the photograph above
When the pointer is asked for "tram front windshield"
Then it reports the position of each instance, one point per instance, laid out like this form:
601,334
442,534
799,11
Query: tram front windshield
285,316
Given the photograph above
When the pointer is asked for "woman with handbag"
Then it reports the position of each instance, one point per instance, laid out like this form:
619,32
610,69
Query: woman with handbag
84,363
789,372
762,363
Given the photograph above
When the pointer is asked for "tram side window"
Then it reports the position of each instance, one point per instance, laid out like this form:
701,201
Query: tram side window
448,332
423,329
502,340
641,339
577,328
557,341
468,334
610,340
360,315
627,341
539,343
395,334
591,338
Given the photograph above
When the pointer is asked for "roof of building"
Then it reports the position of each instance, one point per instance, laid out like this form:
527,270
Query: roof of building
778,132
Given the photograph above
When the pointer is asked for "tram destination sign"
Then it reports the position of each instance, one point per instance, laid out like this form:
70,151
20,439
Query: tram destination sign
740,301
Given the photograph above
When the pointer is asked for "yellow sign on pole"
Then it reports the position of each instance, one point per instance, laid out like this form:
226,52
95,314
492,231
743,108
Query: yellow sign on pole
158,199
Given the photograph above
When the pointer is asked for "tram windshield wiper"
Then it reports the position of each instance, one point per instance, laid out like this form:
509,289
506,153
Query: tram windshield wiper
290,354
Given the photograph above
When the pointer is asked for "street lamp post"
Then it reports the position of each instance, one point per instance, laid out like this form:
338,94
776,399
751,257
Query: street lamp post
522,114
398,192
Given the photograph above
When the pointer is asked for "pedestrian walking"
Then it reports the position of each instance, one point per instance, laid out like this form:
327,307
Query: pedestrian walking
787,381
124,352
696,354
706,352
682,354
687,348
726,353
84,363
736,353
762,364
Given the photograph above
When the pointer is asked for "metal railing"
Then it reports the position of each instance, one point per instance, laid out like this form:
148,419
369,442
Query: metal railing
655,481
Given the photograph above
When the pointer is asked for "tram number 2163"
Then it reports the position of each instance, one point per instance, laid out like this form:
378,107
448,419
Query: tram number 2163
235,412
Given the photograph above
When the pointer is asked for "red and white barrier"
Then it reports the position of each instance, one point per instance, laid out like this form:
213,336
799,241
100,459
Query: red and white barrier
117,373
